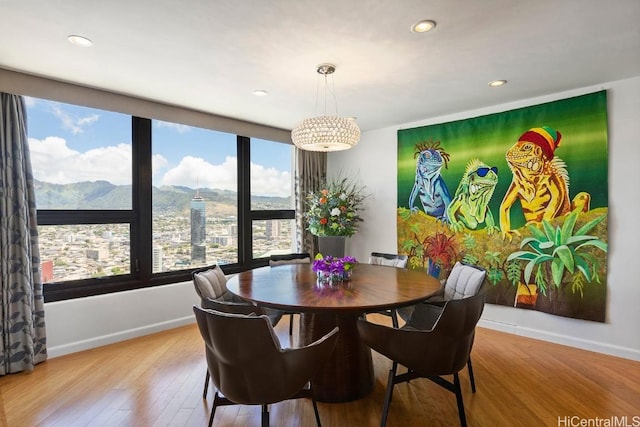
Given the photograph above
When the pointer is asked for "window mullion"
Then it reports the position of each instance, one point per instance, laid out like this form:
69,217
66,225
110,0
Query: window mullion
142,233
245,244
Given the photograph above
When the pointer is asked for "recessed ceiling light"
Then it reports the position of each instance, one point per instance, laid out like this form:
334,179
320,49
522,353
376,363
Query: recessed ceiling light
79,40
423,26
260,92
497,83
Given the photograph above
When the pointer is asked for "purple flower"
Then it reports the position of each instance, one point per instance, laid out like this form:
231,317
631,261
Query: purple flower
333,265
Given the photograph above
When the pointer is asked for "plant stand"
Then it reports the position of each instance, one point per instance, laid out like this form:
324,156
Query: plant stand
332,245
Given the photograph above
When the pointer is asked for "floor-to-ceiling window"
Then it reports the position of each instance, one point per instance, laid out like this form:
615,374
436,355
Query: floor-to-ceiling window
127,202
272,210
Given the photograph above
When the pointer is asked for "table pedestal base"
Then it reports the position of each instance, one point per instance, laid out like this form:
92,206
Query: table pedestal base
348,373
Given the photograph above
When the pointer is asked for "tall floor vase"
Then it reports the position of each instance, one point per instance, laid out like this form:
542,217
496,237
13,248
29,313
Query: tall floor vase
332,245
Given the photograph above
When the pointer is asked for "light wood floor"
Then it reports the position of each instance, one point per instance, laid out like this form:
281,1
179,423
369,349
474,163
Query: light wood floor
157,381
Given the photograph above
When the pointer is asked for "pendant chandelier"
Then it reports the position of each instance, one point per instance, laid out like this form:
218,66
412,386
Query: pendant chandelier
326,133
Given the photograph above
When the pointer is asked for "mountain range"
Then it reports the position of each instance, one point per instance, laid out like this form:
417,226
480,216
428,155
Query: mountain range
104,195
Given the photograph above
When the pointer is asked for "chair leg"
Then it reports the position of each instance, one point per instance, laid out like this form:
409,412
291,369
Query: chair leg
458,392
265,416
214,405
394,318
291,324
213,411
388,395
471,378
315,410
206,385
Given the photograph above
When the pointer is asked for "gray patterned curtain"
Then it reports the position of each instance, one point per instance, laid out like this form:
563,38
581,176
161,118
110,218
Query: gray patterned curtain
22,309
310,173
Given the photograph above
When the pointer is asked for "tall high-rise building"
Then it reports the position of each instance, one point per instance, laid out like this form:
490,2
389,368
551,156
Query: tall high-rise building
157,259
198,230
273,227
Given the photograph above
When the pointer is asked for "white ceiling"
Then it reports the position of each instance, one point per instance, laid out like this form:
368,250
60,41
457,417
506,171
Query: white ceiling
211,55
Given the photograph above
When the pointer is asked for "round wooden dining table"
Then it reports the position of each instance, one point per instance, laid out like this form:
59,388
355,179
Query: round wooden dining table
348,374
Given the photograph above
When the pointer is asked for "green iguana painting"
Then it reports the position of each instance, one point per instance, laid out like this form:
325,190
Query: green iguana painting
470,205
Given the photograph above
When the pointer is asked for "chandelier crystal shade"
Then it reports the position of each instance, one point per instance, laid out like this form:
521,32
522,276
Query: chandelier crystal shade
326,133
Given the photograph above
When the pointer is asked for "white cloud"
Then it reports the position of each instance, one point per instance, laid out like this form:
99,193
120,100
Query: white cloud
75,125
194,171
29,101
270,181
175,126
158,163
52,161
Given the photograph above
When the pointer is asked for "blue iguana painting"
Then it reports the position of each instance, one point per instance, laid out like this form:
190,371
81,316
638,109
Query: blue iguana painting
429,187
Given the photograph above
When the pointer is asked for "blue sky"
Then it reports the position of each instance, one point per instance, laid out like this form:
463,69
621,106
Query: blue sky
70,144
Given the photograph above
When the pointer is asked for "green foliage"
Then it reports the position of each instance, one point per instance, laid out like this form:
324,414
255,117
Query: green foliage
494,275
514,272
541,282
494,258
469,242
470,258
404,214
334,209
577,285
560,249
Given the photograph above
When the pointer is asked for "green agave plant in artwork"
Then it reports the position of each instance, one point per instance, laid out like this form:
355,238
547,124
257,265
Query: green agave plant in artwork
562,248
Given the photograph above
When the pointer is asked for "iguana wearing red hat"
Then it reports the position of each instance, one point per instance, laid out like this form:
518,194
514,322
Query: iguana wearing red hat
540,180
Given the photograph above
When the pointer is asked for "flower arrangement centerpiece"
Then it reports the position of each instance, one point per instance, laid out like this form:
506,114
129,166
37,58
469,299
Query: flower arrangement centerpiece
334,209
332,269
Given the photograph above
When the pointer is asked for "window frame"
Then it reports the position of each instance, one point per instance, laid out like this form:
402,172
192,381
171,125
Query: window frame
139,218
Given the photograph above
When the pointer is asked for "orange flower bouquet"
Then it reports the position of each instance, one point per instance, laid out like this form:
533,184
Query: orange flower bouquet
335,209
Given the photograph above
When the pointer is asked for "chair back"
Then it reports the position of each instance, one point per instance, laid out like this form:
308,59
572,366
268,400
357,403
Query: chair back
211,283
246,362
233,307
294,258
393,260
464,280
442,350
211,286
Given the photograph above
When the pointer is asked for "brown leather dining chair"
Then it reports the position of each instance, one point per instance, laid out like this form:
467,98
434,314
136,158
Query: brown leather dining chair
442,349
284,259
211,286
248,365
464,280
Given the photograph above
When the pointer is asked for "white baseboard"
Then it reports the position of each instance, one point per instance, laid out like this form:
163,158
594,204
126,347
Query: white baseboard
94,342
613,350
598,347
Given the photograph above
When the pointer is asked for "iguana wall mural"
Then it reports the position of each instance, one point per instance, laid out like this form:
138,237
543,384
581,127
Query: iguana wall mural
470,205
533,213
540,180
429,187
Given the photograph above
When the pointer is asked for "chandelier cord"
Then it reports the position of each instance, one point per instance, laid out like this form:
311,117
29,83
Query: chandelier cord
326,88
335,99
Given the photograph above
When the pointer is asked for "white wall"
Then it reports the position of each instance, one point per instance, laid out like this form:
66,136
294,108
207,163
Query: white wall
375,157
84,323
